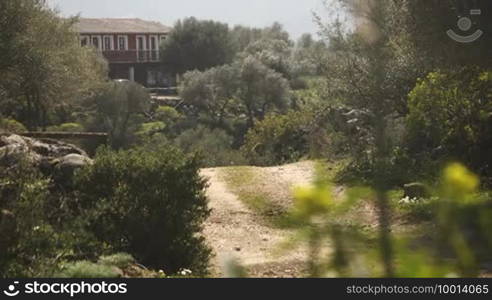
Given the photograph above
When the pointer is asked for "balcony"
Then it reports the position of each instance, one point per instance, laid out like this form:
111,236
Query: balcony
131,56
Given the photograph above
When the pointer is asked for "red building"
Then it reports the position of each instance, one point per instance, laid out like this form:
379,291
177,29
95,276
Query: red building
131,47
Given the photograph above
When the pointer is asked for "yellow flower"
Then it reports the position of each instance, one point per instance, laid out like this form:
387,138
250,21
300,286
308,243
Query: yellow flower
311,201
459,180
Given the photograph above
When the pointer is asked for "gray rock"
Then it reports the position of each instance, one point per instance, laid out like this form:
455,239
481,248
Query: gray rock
52,157
416,190
65,167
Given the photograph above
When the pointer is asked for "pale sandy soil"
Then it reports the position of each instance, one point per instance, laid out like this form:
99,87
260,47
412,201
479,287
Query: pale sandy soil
236,232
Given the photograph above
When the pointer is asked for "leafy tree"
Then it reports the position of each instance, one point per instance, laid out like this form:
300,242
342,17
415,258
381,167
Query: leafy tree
370,78
196,45
247,87
242,36
273,53
212,91
119,109
450,117
309,57
262,89
277,32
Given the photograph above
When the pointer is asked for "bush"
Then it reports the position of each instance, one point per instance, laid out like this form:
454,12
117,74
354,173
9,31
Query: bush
11,126
120,260
38,226
450,118
87,269
67,127
215,145
150,204
278,139
119,109
167,114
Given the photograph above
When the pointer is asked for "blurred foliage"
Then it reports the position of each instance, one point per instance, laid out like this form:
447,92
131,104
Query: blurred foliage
460,245
450,118
11,126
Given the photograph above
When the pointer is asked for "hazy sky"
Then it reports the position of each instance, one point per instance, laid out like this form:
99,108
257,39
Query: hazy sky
295,15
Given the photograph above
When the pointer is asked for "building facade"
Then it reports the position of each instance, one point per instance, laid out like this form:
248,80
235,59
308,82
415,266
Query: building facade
131,47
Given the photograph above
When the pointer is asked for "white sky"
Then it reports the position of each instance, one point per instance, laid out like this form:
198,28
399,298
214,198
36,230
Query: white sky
295,15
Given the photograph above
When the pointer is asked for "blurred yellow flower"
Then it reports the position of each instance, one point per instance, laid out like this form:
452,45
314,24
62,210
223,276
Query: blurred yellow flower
458,179
310,201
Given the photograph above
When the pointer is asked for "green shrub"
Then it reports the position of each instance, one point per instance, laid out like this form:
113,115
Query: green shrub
120,260
214,145
37,225
87,269
149,129
150,204
119,109
167,114
11,126
450,118
67,127
277,139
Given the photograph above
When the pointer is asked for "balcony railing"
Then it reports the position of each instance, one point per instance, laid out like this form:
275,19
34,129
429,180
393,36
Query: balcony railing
131,55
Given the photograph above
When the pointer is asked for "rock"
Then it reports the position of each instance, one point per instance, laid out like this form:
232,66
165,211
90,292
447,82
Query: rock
238,249
52,157
65,167
415,190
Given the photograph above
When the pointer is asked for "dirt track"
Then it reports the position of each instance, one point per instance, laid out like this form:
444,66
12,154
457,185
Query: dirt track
236,232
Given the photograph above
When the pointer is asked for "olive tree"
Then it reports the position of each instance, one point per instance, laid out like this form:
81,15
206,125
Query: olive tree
43,67
196,44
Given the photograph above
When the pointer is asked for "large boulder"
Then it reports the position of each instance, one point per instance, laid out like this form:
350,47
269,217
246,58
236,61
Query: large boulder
65,167
52,157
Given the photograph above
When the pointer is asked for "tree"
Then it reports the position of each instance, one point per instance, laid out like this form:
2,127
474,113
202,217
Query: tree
273,53
262,89
196,45
43,66
212,91
242,37
119,109
369,75
246,87
309,56
450,115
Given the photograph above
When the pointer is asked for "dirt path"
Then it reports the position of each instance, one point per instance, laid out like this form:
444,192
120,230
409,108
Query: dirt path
236,232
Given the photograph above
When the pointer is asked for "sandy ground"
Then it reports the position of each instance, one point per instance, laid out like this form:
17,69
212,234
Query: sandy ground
237,233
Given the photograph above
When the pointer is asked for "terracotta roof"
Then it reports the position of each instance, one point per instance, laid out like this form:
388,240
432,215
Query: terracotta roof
86,25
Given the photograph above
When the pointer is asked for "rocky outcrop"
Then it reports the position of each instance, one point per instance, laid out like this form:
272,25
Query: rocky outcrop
52,157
